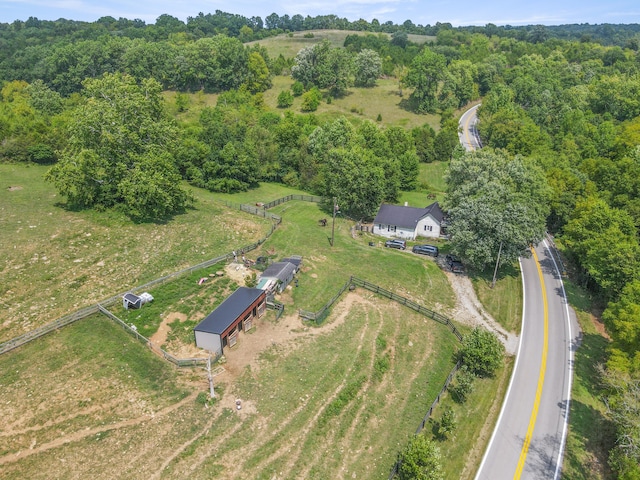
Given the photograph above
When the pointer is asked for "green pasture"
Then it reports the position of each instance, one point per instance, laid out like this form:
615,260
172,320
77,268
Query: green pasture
57,260
344,401
289,44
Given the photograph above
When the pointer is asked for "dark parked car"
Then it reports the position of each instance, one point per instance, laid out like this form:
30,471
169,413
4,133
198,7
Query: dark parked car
426,250
451,258
395,243
456,267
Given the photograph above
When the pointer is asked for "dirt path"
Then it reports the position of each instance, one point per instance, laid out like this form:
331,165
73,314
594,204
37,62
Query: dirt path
88,432
470,311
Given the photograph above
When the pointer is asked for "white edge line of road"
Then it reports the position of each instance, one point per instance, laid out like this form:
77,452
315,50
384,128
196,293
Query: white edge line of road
571,355
513,375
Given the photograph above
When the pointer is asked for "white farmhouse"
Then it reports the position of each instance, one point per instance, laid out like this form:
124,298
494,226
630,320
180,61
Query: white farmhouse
395,221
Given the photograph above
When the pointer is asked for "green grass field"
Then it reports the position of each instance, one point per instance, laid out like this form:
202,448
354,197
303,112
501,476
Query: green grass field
56,261
289,44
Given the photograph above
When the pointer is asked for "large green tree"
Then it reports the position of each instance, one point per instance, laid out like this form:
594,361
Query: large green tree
356,179
425,73
492,200
119,151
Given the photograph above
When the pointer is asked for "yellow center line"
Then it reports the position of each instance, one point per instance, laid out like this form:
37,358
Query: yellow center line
543,367
466,132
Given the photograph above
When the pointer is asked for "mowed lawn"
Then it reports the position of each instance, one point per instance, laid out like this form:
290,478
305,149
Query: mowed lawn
338,401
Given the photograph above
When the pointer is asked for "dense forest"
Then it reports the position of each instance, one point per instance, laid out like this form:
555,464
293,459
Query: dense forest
560,121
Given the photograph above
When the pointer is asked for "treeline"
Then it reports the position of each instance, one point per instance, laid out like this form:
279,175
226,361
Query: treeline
577,114
18,35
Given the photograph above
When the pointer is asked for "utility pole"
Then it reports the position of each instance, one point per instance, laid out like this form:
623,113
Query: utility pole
495,272
333,225
211,392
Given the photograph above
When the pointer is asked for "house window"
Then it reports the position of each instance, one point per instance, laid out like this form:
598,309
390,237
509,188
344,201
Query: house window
391,228
428,228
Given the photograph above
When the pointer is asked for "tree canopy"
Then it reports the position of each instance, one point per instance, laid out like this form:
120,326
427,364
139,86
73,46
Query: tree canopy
494,199
119,151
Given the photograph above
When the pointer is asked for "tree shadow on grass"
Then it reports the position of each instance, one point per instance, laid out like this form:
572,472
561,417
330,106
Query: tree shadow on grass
593,433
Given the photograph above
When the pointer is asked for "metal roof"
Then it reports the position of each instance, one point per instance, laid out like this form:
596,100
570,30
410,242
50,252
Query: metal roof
228,311
279,270
407,217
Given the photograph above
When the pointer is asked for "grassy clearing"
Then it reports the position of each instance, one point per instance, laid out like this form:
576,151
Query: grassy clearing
504,300
56,260
289,44
327,268
359,104
93,373
464,448
591,434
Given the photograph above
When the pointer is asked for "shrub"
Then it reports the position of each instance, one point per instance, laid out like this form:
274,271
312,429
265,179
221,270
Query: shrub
463,385
481,352
420,459
285,99
311,100
297,89
447,424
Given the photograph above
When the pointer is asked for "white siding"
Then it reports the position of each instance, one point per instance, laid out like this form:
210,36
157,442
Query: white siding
209,341
428,227
391,231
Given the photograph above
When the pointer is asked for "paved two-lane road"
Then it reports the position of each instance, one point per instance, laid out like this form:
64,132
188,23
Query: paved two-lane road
529,437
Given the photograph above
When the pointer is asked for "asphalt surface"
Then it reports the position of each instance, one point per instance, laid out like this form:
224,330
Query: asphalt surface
529,438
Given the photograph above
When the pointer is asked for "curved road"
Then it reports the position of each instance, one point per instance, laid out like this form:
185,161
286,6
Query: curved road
529,437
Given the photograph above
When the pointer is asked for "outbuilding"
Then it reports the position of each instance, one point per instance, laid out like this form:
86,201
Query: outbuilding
133,301
220,328
295,259
281,272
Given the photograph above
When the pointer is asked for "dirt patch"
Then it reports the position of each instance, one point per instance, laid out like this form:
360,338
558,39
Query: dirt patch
14,188
469,310
237,272
160,337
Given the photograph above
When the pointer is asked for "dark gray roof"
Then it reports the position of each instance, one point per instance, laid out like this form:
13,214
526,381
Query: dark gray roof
407,217
295,259
229,310
279,270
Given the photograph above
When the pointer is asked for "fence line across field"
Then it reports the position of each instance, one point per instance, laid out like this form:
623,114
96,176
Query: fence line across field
321,314
92,309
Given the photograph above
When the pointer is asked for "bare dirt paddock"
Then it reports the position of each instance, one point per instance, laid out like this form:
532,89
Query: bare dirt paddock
336,401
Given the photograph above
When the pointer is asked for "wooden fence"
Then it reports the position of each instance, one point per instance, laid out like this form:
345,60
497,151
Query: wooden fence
49,327
405,301
179,362
396,466
288,198
273,304
90,310
321,314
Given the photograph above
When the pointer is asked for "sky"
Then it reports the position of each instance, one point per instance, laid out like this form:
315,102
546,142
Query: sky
420,12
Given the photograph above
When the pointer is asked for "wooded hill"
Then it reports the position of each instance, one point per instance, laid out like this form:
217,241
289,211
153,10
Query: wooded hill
88,98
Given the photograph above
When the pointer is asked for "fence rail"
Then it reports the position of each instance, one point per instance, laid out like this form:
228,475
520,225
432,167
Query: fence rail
48,328
277,306
396,466
411,304
90,310
321,314
180,362
288,198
